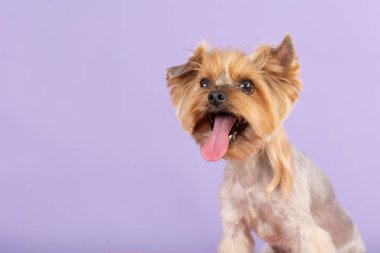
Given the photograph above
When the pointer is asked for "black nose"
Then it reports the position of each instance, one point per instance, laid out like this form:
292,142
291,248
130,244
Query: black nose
217,97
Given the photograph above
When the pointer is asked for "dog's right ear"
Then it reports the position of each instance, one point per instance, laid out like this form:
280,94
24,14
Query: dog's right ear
191,66
179,77
177,71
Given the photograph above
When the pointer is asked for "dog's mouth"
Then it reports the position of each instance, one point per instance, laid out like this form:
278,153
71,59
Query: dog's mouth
237,128
225,129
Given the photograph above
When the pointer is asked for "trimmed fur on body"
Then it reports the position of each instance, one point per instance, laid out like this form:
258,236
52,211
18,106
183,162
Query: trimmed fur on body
268,186
308,220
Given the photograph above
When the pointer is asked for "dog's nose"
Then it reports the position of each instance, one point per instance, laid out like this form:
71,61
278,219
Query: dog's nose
217,97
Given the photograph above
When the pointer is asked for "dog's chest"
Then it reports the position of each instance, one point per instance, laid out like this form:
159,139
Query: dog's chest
249,202
262,214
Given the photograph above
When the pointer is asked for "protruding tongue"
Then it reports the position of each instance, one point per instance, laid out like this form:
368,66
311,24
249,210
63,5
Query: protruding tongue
217,143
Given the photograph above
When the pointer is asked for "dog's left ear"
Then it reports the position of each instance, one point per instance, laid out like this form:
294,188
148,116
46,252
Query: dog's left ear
285,52
276,59
190,66
280,67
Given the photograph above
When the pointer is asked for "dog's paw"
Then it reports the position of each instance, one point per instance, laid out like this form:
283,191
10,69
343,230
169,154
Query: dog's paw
231,245
267,249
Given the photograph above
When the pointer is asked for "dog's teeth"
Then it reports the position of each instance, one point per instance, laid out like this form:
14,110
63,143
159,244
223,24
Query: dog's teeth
230,136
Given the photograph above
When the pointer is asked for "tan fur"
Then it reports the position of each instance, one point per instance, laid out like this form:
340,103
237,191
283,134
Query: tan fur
268,186
277,88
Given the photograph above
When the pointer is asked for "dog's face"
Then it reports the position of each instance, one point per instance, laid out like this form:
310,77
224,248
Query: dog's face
232,102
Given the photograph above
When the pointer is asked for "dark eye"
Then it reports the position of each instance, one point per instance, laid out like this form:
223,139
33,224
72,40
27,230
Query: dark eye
246,86
204,83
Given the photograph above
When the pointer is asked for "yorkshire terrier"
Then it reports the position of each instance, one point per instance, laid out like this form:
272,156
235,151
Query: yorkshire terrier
234,105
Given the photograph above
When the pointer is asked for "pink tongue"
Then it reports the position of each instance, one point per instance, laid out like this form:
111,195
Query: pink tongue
217,143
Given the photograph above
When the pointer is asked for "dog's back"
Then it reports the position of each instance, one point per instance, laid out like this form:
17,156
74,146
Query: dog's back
324,207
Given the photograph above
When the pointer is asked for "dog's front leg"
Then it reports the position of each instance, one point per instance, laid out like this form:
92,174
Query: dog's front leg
236,237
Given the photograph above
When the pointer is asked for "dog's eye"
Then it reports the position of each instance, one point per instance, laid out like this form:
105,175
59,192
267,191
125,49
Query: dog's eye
246,86
204,83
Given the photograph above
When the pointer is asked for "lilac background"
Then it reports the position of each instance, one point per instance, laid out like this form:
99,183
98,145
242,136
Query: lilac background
92,158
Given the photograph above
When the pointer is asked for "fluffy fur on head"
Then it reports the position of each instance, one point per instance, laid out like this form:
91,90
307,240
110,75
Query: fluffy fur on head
273,72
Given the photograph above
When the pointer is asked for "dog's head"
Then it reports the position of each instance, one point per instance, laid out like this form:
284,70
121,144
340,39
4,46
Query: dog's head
232,102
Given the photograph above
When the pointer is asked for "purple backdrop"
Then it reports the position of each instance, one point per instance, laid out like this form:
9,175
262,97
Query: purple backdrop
92,157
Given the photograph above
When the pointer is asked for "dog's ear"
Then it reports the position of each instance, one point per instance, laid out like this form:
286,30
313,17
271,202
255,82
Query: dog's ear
177,71
276,59
178,77
285,52
189,67
279,67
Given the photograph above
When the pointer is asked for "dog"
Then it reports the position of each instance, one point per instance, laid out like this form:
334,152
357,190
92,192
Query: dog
234,104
